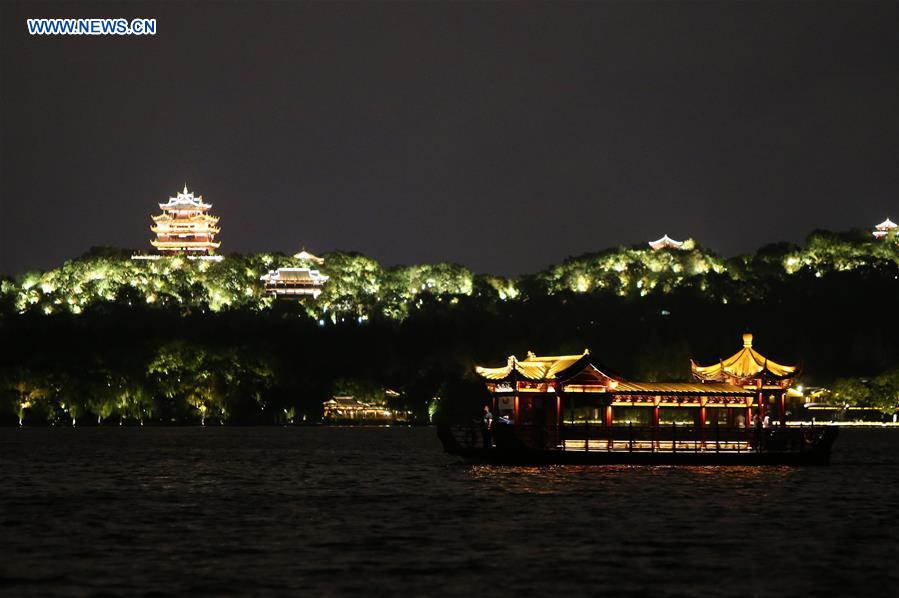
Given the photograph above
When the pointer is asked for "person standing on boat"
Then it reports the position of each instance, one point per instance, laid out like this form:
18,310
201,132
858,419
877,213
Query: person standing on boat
487,427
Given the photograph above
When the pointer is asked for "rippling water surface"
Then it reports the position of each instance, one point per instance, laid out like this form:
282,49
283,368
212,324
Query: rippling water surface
379,511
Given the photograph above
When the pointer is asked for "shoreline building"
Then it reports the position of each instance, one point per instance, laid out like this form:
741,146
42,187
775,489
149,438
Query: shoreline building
666,242
885,229
185,226
349,410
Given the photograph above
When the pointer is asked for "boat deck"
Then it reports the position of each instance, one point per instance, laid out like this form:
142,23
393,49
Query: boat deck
649,446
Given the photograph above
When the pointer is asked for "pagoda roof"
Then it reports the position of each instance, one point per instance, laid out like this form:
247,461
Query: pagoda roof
535,367
665,242
305,255
884,228
185,199
345,402
746,363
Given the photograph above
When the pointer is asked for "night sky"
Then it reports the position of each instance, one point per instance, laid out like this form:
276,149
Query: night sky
502,136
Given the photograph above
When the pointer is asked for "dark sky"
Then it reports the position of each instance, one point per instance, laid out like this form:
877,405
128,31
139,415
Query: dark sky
503,136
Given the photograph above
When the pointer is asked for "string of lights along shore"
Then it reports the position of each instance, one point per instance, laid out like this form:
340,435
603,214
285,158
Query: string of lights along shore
187,228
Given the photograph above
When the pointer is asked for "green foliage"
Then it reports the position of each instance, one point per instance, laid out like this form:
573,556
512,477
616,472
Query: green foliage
104,338
881,392
632,272
360,288
827,252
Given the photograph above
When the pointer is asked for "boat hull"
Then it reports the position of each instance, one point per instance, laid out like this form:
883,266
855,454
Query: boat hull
510,450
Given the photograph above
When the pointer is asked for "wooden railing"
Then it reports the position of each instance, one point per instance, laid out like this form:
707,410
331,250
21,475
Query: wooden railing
588,436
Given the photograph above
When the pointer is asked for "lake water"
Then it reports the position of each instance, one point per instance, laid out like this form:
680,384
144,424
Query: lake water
383,511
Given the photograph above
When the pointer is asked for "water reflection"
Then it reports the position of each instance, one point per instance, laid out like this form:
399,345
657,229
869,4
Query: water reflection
560,479
330,511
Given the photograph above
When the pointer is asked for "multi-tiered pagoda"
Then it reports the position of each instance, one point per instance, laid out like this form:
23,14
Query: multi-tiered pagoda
185,226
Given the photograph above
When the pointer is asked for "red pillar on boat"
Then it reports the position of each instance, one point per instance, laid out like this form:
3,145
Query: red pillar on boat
515,408
655,425
782,407
609,415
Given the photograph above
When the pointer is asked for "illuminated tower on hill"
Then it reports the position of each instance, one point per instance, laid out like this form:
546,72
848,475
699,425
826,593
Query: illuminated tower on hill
185,226
886,228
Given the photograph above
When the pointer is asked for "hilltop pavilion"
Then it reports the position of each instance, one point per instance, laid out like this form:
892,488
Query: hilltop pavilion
294,283
309,257
885,228
666,242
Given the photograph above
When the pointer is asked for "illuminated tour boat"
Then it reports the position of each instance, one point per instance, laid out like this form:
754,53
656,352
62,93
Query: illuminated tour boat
185,227
567,410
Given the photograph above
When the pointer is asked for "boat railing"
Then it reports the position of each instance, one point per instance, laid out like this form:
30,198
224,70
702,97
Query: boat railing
674,438
588,436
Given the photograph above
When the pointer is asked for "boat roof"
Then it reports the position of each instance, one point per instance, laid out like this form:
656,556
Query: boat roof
536,368
674,388
745,363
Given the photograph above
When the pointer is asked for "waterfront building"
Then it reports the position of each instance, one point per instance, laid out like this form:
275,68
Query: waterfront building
294,283
666,242
185,226
349,410
885,228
